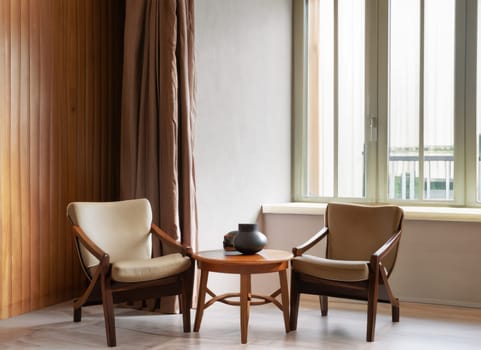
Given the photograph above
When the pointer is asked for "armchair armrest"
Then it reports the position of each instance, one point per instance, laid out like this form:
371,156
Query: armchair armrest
385,248
299,250
165,238
93,248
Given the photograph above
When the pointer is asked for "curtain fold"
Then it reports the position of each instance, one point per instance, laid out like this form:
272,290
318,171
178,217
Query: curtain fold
158,112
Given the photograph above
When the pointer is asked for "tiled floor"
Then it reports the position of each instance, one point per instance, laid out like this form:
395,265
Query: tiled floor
422,327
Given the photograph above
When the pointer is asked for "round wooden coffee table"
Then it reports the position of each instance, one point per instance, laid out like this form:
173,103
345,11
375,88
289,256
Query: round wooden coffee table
265,261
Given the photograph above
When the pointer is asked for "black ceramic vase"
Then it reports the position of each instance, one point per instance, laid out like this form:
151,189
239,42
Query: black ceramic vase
249,240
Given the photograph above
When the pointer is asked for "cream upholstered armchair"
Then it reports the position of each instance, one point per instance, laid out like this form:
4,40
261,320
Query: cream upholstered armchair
114,241
362,244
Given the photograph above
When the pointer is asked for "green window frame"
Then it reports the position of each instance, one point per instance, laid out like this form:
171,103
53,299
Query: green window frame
463,189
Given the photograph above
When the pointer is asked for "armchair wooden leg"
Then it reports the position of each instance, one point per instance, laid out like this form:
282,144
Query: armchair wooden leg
395,311
294,303
371,319
324,305
79,302
372,304
185,302
77,314
190,285
185,314
109,315
392,299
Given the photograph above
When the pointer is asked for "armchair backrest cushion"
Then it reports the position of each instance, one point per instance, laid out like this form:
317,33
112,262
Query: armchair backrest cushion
121,229
357,231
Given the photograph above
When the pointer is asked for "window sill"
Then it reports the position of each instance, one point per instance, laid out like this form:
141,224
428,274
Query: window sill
410,213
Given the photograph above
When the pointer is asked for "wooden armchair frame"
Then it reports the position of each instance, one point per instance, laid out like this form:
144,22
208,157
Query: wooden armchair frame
375,289
103,290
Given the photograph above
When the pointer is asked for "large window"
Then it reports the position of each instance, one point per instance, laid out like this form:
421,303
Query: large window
388,108
336,86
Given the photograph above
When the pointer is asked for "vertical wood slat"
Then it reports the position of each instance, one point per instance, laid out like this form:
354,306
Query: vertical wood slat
5,105
72,125
24,156
45,57
34,71
54,185
15,247
60,69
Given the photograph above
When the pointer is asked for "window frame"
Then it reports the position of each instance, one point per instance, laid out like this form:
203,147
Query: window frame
376,106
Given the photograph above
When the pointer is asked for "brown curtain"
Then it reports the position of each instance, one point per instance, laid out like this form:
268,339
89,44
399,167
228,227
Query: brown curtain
158,110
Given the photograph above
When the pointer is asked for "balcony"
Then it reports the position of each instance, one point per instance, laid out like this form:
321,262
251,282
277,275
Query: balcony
404,177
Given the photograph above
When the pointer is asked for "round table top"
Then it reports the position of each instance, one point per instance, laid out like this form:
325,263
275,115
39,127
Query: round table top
220,256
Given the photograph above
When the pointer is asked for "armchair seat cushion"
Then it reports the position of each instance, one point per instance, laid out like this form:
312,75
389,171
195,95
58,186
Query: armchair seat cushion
329,269
150,269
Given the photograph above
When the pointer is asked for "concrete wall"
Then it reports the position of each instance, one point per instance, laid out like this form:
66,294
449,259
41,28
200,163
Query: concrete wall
242,146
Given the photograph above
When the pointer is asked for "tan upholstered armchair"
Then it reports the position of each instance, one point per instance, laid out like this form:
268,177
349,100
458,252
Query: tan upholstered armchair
114,241
362,244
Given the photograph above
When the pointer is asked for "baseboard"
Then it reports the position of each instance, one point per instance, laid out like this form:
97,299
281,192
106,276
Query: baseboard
308,298
444,302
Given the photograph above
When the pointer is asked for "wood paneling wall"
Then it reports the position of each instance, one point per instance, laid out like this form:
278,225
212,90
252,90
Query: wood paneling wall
60,89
